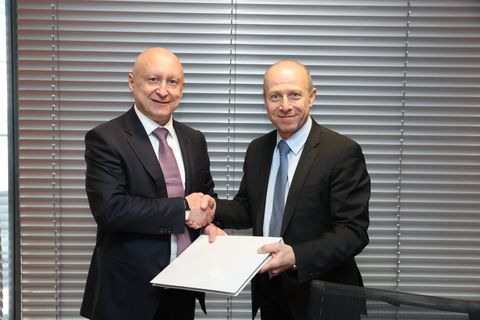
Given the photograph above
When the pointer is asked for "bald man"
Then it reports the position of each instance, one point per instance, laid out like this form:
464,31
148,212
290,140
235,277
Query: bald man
322,213
138,224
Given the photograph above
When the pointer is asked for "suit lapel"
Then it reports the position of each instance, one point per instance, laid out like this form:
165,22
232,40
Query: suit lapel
265,164
309,153
187,155
141,145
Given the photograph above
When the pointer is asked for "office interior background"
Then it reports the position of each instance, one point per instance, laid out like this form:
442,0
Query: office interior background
400,77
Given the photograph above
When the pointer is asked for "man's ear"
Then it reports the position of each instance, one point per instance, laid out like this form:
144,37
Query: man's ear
313,94
183,86
130,82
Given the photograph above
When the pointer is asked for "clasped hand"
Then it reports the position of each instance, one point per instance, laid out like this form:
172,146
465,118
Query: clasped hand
202,210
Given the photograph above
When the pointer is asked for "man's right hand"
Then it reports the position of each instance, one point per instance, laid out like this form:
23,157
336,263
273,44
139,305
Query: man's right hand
202,210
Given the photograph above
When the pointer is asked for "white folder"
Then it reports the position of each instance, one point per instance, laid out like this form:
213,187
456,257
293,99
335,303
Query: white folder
223,267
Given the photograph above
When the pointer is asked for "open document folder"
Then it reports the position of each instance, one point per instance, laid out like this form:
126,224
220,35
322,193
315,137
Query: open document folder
223,267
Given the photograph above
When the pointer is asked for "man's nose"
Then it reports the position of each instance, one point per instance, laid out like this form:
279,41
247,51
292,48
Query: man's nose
162,89
285,103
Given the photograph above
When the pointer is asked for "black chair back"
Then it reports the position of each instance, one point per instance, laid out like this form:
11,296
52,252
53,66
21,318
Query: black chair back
330,301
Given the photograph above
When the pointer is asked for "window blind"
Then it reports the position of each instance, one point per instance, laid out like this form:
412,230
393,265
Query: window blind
440,187
5,157
399,77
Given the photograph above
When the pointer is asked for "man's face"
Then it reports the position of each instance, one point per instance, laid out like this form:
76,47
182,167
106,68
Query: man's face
157,84
287,97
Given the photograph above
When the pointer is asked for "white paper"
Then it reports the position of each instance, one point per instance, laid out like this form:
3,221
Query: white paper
224,267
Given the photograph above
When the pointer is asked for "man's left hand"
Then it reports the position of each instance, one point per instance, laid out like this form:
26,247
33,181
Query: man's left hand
283,258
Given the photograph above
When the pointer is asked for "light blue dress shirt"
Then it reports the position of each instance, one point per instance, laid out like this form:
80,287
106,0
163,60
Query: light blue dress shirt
296,143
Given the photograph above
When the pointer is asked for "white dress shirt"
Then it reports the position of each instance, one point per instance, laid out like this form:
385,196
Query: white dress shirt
172,141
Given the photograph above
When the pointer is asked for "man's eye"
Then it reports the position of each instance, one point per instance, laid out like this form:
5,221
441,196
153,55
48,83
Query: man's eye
274,97
153,79
172,82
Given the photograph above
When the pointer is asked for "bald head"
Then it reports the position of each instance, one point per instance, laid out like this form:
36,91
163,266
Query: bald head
157,84
156,55
290,64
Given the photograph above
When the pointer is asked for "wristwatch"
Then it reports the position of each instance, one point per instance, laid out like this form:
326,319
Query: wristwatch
187,209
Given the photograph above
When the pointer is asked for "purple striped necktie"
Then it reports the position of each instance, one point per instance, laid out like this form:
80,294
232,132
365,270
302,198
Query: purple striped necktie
173,180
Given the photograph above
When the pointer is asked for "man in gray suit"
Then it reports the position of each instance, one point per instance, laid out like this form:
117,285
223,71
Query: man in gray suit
142,209
324,202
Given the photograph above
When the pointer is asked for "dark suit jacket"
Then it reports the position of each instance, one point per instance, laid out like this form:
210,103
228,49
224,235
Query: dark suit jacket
326,212
128,199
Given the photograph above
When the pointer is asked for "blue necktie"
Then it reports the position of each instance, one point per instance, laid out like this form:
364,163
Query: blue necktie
279,193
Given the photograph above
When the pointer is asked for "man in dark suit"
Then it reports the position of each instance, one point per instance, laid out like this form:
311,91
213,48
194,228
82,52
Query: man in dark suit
128,192
325,206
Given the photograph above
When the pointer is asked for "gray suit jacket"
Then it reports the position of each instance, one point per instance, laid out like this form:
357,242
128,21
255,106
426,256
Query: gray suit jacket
326,213
128,199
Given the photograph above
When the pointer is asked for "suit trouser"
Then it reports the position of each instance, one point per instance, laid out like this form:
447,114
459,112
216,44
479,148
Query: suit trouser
273,302
176,305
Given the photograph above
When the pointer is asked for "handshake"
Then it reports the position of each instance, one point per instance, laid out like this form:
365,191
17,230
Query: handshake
202,210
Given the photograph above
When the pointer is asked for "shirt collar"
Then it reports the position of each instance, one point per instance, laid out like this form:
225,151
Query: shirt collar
151,125
298,139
